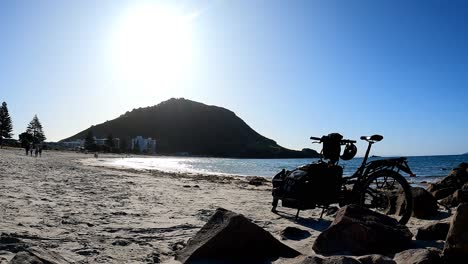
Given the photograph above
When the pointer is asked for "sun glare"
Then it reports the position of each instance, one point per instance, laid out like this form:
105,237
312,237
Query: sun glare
152,46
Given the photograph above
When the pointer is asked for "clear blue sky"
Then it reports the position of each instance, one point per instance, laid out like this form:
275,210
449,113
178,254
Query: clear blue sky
290,69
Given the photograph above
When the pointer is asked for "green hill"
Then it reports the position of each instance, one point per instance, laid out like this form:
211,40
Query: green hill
181,125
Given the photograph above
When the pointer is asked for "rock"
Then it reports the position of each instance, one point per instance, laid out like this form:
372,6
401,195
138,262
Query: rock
230,237
456,244
375,259
294,233
329,260
255,180
37,256
459,196
360,231
442,193
455,180
9,242
153,258
121,242
424,204
419,256
437,231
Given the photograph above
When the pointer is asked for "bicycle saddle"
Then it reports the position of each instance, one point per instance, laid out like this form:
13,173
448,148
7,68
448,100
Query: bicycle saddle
373,138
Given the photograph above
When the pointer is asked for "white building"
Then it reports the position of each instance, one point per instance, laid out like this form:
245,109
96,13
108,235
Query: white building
147,145
79,143
74,144
103,142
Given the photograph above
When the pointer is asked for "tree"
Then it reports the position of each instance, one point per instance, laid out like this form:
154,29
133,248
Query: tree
6,126
35,129
89,141
110,141
26,139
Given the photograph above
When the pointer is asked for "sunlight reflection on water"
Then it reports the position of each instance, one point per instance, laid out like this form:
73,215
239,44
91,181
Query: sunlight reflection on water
428,168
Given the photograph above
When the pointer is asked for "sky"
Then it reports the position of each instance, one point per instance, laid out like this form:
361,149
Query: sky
289,69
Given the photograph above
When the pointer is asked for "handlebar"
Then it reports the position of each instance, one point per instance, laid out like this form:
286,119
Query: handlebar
342,142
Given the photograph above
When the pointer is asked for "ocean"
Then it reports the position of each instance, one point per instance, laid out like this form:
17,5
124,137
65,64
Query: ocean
426,168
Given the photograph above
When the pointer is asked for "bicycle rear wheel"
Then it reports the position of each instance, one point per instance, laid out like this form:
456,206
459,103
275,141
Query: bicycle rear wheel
388,192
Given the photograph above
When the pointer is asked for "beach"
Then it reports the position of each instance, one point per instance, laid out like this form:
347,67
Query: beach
71,204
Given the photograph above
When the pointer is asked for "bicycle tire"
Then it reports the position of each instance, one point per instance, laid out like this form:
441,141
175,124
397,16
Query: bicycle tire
369,188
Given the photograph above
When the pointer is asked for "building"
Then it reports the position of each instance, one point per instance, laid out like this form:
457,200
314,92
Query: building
79,143
146,145
103,142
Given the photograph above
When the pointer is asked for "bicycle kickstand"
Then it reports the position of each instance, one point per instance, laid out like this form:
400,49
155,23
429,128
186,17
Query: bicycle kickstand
323,210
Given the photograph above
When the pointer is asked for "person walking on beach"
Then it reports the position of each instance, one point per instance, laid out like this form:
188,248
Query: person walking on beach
36,151
27,147
31,149
40,151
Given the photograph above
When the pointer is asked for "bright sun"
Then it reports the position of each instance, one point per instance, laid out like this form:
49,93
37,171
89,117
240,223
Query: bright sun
152,46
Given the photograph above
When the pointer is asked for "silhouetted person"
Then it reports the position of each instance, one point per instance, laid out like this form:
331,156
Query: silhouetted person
27,149
36,152
40,151
31,150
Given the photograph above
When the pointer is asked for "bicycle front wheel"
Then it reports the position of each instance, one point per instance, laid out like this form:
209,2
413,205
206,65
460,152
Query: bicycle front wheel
389,193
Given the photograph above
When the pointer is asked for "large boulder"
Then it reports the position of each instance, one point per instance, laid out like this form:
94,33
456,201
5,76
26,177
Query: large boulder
228,237
360,231
419,256
454,181
437,231
456,244
37,256
458,197
443,192
424,204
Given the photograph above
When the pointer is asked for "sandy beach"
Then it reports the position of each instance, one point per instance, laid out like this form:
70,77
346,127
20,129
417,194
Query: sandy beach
67,203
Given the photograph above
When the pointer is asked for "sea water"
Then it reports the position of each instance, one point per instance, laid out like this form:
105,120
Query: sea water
426,168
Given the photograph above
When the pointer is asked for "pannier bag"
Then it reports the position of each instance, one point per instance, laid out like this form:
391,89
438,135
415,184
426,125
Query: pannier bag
314,184
331,146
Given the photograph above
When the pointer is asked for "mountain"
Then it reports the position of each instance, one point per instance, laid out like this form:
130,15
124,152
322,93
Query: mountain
181,125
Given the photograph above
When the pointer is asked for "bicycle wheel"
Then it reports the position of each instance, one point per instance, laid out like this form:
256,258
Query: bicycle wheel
389,193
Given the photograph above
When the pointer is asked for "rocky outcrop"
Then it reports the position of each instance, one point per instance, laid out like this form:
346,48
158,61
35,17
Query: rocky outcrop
359,231
436,231
454,181
419,256
459,196
228,237
456,244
